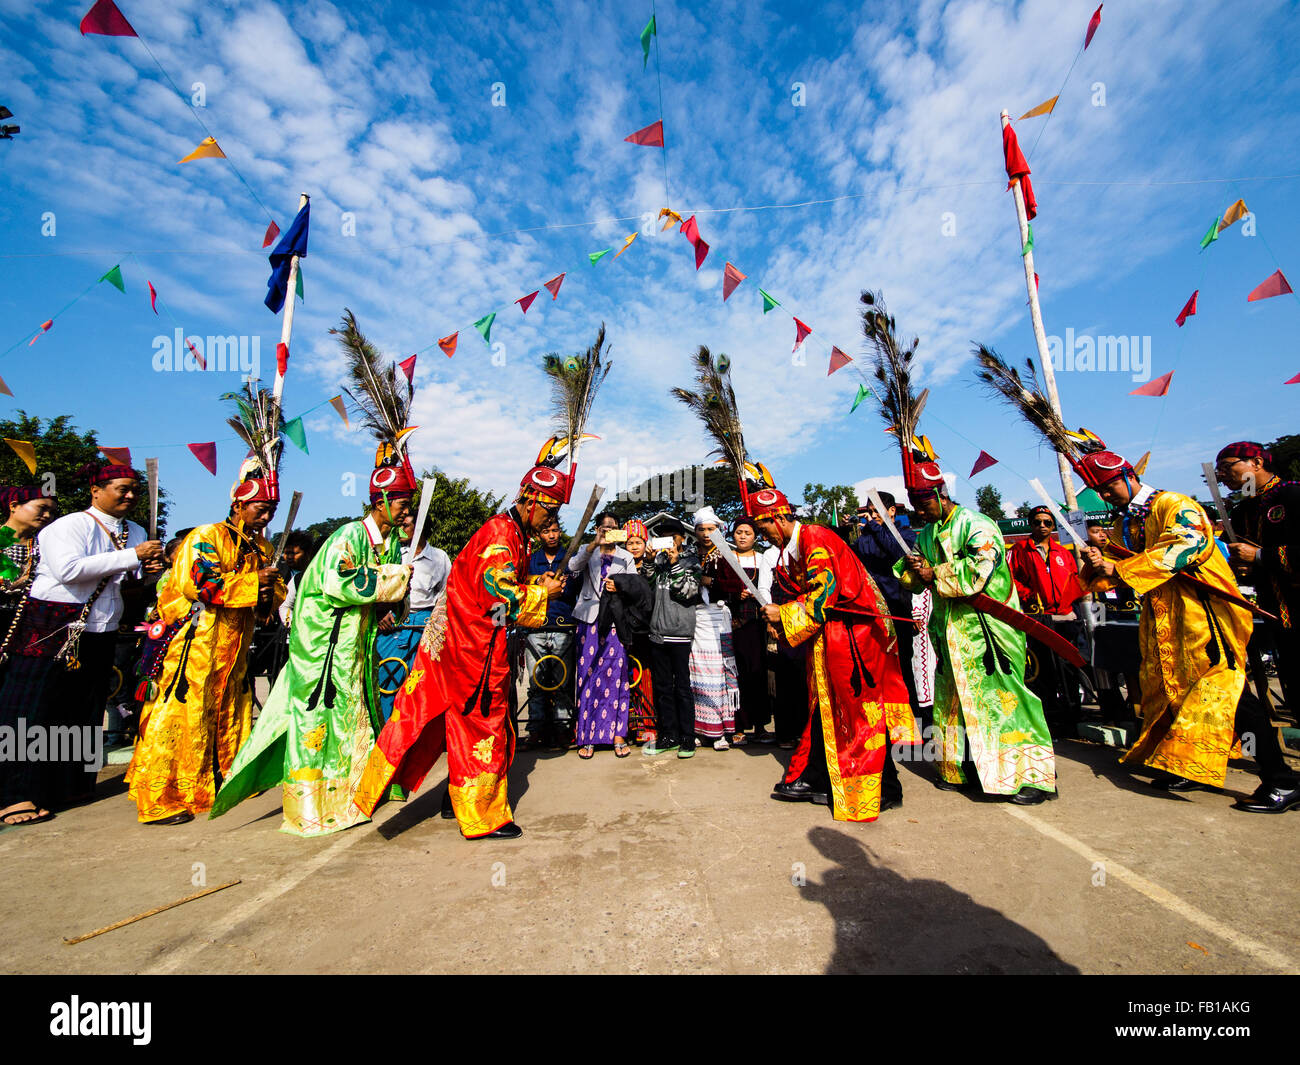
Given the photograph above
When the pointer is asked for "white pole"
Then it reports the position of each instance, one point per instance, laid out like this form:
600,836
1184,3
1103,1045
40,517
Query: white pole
286,329
1040,334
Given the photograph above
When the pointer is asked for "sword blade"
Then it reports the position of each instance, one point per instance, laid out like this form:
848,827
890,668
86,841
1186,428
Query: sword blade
288,526
1212,481
426,496
883,511
729,557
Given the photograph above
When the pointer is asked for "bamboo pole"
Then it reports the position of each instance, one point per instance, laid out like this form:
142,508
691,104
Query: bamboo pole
1040,334
286,328
149,913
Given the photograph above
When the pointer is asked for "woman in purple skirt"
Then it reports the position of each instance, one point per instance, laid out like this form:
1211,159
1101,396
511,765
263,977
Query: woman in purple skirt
603,688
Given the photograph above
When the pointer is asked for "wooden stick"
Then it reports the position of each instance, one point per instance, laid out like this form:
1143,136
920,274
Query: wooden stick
149,913
151,472
562,568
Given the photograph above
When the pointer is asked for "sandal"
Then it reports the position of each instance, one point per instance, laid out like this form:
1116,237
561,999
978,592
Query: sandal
586,751
46,816
739,740
621,750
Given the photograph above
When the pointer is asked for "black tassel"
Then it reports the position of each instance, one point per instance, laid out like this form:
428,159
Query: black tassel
180,682
989,666
326,682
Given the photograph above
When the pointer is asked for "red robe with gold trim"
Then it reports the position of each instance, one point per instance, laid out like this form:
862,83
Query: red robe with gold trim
856,689
455,696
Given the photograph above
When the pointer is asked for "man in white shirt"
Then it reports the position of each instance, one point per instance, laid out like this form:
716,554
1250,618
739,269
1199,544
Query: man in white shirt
62,652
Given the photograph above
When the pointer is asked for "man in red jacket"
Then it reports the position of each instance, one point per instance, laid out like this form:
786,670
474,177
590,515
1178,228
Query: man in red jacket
1047,581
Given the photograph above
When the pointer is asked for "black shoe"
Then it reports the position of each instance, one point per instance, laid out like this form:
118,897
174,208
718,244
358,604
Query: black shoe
448,813
509,830
946,785
182,818
1028,796
1270,800
800,791
1169,782
890,800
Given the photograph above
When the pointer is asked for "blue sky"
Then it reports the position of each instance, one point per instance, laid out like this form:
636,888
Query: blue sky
385,111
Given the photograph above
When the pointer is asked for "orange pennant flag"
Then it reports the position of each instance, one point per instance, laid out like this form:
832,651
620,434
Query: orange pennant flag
626,244
1158,387
118,456
207,149
1235,213
1045,108
672,216
337,404
448,344
25,451
4,387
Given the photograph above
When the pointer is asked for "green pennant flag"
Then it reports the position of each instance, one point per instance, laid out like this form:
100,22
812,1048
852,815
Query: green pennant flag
299,289
1030,242
294,431
596,256
1211,236
768,301
835,513
114,278
484,326
863,393
646,34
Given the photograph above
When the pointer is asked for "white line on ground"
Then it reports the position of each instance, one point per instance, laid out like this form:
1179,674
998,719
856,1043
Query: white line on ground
1157,894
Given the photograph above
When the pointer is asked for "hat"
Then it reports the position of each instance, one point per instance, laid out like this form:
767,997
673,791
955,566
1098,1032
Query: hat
97,474
705,516
636,528
769,503
1101,467
1246,449
17,494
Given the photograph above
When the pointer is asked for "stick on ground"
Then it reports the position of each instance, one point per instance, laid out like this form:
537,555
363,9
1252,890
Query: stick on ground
149,913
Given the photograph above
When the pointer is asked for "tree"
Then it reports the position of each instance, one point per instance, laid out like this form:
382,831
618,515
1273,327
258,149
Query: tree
1024,510
61,451
456,510
989,501
1286,457
821,505
680,493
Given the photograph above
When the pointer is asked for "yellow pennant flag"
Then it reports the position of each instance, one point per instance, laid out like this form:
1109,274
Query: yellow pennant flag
1140,467
626,244
207,149
672,216
1235,213
1045,108
337,404
25,451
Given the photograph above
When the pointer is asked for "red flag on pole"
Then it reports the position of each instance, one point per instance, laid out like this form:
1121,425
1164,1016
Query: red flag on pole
838,360
1158,387
448,344
801,332
1093,23
1189,309
104,18
206,454
526,301
984,461
1274,285
1018,167
652,136
272,231
407,366
731,277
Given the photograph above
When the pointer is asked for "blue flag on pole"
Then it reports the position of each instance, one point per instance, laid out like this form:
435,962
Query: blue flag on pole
294,242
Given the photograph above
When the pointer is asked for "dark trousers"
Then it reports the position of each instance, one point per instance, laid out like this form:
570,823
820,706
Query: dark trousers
1286,657
906,631
674,704
749,640
1253,720
818,777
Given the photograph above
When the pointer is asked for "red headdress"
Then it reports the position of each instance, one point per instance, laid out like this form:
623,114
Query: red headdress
637,528
259,424
95,473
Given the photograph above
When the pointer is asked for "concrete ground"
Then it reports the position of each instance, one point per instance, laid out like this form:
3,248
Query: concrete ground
666,865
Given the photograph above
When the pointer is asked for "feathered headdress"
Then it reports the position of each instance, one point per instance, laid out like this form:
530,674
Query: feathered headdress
259,423
900,406
574,383
1084,450
381,395
713,401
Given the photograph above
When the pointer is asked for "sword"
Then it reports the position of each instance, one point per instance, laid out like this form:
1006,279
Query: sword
426,497
1213,481
562,567
288,527
883,513
151,471
729,557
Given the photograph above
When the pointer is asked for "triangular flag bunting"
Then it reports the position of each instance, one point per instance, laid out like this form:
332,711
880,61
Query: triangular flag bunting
984,461
731,277
272,231
626,244
646,34
337,404
104,18
1028,243
281,358
1158,387
114,278
25,451
4,387
553,286
701,253
690,229
1211,235
1189,309
1235,213
206,454
596,256
838,360
1093,23
652,136
527,301
46,326
863,393
672,216
202,362
801,332
448,344
768,301
153,297
208,149
1293,381
1274,285
1045,108
118,456
294,431
407,366
484,326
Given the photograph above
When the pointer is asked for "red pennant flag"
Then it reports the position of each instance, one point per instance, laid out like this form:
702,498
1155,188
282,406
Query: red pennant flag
701,253
203,365
407,366
104,18
527,301
272,231
801,332
1275,285
206,454
153,297
1093,23
1189,309
5,388
690,230
46,326
652,136
118,456
448,344
281,358
1158,387
984,461
1294,381
838,360
1017,167
731,277
553,286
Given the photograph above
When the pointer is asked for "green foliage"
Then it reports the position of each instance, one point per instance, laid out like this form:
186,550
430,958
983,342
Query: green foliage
456,510
60,451
821,502
679,493
1023,511
1286,457
989,501
320,530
